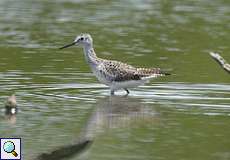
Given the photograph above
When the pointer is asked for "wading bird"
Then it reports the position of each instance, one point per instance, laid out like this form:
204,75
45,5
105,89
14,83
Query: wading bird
115,74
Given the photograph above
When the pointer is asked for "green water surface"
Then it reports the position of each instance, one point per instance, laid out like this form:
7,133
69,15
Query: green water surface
185,116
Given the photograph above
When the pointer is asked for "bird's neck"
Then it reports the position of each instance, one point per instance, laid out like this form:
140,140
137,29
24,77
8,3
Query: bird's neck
90,55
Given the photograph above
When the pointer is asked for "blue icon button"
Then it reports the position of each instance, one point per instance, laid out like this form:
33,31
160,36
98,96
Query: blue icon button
9,147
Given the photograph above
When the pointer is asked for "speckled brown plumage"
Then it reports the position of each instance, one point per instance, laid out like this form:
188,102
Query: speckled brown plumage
118,71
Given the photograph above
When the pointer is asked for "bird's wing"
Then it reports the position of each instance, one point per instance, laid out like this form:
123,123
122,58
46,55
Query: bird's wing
118,71
148,73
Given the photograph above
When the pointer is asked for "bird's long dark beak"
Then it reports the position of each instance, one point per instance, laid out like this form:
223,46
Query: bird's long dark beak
68,45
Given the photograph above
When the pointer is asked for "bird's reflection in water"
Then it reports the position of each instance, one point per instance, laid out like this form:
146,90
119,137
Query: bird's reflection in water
118,112
11,118
110,112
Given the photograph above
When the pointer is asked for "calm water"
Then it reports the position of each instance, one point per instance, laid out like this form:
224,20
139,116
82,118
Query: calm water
183,116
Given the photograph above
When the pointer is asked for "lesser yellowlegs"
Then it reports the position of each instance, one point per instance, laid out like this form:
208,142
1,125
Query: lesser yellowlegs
115,74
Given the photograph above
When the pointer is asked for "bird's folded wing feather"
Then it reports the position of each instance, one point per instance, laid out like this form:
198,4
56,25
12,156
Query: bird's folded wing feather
118,71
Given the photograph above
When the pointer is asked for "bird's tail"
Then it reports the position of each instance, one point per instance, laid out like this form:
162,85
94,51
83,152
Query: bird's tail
164,73
148,73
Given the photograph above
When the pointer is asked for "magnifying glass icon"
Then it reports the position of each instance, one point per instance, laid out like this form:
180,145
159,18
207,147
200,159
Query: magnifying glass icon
9,147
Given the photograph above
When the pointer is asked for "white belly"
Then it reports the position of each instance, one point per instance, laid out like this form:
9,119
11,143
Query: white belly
126,84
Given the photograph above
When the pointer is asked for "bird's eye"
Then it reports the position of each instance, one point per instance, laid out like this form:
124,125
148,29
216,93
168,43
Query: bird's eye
81,38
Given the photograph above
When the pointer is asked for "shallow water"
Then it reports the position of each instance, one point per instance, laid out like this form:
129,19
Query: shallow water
182,116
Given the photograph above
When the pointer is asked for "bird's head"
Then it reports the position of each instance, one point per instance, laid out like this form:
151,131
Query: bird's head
83,39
